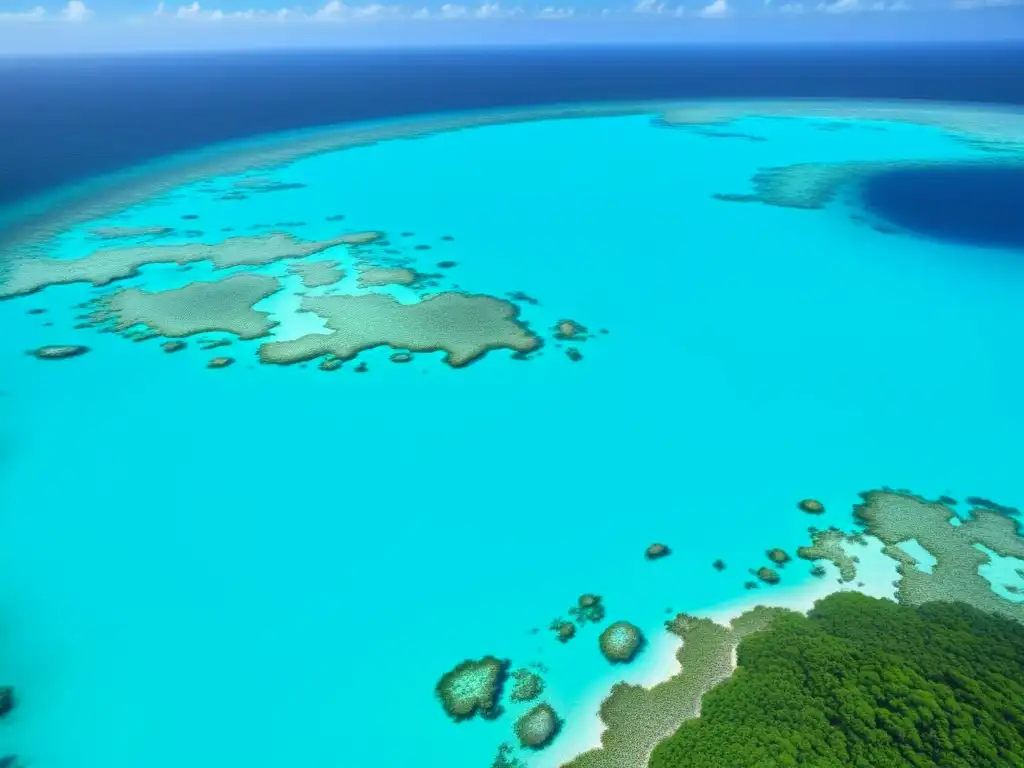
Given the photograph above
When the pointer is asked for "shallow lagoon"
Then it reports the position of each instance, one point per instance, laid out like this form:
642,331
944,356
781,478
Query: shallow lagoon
263,564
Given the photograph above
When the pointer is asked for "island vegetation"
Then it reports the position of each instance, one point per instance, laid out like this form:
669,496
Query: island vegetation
862,681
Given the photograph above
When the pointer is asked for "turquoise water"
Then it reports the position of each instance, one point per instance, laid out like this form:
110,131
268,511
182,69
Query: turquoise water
272,566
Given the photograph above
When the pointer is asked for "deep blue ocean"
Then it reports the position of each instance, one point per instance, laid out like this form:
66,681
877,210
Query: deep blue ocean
213,559
66,119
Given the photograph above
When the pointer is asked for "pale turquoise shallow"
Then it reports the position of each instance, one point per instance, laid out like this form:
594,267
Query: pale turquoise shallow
268,566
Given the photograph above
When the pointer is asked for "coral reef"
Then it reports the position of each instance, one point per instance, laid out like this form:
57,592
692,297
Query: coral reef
224,305
657,551
115,233
778,556
895,517
316,274
828,545
105,266
811,506
767,575
569,330
526,685
621,642
589,609
58,351
464,326
504,758
564,630
473,687
538,727
373,277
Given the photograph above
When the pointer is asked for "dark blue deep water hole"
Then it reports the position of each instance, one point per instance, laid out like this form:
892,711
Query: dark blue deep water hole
963,204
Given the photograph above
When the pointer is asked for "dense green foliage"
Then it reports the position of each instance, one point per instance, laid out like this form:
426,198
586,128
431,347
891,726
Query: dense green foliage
865,683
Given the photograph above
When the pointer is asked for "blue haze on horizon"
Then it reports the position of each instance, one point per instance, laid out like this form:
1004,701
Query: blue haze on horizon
96,26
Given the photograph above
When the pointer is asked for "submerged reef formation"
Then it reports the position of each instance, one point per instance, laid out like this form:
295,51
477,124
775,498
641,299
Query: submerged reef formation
465,327
473,687
116,233
657,551
637,718
105,266
506,759
58,351
317,274
811,506
828,545
778,556
588,609
7,702
620,642
526,685
767,575
372,277
865,681
564,630
895,517
991,124
538,727
223,305
814,185
569,330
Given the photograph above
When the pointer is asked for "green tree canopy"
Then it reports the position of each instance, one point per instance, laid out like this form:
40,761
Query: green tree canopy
865,683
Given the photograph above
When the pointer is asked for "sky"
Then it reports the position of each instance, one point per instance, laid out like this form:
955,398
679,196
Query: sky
72,26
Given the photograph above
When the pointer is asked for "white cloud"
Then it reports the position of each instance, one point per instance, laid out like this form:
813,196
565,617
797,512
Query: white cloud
195,12
855,6
189,11
654,8
75,10
792,9
36,14
550,12
841,6
716,9
339,11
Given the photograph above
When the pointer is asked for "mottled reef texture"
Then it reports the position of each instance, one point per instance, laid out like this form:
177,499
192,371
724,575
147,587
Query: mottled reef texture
372,277
829,545
621,642
316,274
896,518
526,685
538,727
58,351
992,124
224,305
114,233
589,609
814,185
637,718
473,687
105,266
463,326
